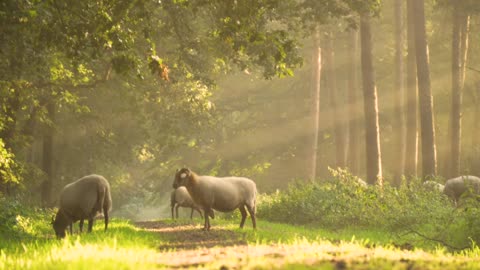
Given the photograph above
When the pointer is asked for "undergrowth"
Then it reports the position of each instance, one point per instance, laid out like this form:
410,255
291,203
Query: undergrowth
342,202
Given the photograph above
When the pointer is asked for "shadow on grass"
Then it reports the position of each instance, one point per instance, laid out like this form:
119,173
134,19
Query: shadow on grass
182,235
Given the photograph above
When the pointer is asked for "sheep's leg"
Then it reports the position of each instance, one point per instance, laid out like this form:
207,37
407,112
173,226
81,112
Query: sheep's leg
105,214
191,214
251,211
81,225
206,227
173,206
200,212
90,224
176,210
244,215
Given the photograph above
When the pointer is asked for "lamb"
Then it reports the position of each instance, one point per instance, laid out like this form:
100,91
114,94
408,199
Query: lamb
80,200
434,186
180,197
223,194
456,187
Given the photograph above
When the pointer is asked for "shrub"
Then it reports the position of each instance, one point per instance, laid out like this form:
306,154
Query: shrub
341,202
18,220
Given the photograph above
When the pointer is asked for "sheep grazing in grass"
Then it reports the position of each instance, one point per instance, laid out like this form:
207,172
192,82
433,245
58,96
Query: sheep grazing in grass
80,200
224,194
466,184
180,197
434,186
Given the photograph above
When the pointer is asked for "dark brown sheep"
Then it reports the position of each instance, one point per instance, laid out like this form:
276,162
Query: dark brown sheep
83,199
224,194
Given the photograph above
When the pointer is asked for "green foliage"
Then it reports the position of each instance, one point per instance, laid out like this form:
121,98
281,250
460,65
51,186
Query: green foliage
341,202
8,174
18,221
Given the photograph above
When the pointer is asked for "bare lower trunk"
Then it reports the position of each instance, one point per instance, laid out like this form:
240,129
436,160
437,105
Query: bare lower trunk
317,63
411,152
374,160
427,128
400,139
338,115
355,111
47,164
459,57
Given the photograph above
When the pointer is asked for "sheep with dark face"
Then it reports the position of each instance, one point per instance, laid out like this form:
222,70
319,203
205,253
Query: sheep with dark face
180,197
465,184
224,194
80,200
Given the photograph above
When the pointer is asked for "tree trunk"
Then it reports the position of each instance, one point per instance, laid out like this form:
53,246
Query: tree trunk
400,134
374,159
317,64
338,115
427,128
459,57
411,159
353,106
47,161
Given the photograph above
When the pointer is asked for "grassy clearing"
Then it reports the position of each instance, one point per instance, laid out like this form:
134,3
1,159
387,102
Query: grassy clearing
167,244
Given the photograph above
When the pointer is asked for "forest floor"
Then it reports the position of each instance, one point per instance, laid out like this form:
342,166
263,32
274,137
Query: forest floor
180,244
185,245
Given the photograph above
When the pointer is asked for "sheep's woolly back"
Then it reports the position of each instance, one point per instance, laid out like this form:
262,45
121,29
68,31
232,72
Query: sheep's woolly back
455,187
223,194
85,197
182,197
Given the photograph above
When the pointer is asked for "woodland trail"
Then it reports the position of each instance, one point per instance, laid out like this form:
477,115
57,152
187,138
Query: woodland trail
221,248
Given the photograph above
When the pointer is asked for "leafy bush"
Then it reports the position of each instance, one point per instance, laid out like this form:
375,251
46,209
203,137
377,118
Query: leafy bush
342,201
18,220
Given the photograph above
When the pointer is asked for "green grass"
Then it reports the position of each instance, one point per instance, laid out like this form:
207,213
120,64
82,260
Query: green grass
122,246
125,246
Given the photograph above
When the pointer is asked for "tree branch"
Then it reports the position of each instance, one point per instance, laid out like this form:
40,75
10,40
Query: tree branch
437,240
473,69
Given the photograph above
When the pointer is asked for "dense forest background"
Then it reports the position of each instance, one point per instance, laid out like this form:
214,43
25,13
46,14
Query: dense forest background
133,90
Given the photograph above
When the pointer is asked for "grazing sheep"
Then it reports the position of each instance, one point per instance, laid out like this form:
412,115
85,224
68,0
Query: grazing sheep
223,194
456,187
434,186
80,200
180,197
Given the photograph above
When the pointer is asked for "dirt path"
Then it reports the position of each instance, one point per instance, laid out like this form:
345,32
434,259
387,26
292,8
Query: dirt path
190,247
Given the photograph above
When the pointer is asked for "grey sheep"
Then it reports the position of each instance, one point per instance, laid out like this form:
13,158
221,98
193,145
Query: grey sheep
80,200
432,185
224,194
180,197
456,187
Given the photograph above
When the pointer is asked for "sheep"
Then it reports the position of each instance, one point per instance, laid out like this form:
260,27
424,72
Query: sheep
80,200
456,187
224,194
180,197
434,186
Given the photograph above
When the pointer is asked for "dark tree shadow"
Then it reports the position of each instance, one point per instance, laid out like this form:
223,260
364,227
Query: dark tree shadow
190,236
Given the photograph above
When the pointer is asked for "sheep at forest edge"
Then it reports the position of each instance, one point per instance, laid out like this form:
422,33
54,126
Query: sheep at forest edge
434,186
80,200
180,197
456,187
224,194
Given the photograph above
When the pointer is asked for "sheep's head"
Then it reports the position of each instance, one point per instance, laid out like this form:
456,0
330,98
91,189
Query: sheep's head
59,224
181,177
